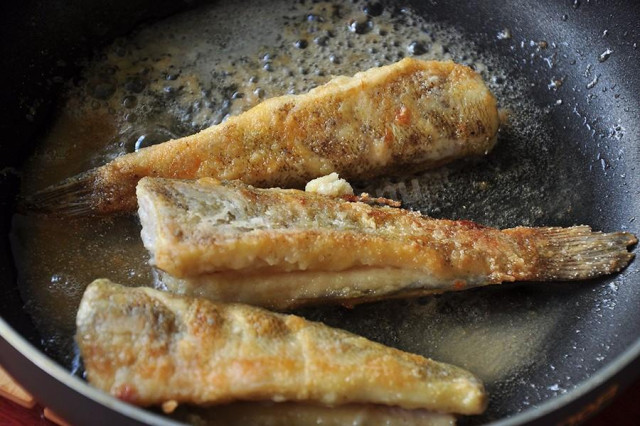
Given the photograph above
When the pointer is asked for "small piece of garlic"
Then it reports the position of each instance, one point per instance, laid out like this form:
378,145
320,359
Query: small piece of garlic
330,184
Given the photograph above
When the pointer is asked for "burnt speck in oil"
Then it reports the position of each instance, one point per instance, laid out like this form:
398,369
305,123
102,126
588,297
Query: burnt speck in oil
555,83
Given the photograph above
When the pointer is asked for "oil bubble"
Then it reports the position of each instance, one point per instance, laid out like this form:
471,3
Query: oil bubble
361,25
301,44
103,90
312,17
134,84
153,137
416,48
129,102
321,40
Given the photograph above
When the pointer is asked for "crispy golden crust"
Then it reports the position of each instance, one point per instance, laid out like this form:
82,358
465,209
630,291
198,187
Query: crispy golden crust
282,248
211,226
206,226
149,347
406,116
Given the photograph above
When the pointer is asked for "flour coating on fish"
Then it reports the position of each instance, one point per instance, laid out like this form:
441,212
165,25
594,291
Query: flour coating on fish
283,248
408,116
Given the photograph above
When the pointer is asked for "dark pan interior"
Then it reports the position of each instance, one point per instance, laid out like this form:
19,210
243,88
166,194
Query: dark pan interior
596,131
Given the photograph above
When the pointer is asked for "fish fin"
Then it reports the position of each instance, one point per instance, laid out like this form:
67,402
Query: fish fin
578,253
75,196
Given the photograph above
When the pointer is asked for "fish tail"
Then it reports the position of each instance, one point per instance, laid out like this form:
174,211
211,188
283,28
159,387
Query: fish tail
578,253
75,196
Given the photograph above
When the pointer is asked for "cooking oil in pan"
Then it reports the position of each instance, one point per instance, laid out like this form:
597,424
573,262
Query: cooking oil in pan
194,70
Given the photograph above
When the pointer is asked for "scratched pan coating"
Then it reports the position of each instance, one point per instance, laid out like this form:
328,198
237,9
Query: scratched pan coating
566,156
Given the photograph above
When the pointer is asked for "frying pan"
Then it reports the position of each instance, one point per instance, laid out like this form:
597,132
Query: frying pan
595,344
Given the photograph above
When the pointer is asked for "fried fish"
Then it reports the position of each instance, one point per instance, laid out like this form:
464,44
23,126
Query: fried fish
282,248
150,347
407,116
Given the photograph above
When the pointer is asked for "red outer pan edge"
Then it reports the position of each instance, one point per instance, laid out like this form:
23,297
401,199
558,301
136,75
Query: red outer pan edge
68,396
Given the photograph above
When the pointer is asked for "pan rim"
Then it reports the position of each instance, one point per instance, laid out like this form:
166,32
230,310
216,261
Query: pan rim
63,376
624,360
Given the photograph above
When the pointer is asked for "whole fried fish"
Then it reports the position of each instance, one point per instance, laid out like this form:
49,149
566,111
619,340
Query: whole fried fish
281,248
150,347
407,116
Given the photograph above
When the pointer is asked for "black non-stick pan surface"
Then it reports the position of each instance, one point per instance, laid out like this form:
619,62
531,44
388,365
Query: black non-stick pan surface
589,98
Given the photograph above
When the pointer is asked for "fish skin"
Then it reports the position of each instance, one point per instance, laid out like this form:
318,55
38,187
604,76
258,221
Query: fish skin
283,248
150,347
408,116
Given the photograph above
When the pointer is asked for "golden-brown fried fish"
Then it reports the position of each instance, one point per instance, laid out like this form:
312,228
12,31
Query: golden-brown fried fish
280,248
150,347
407,116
